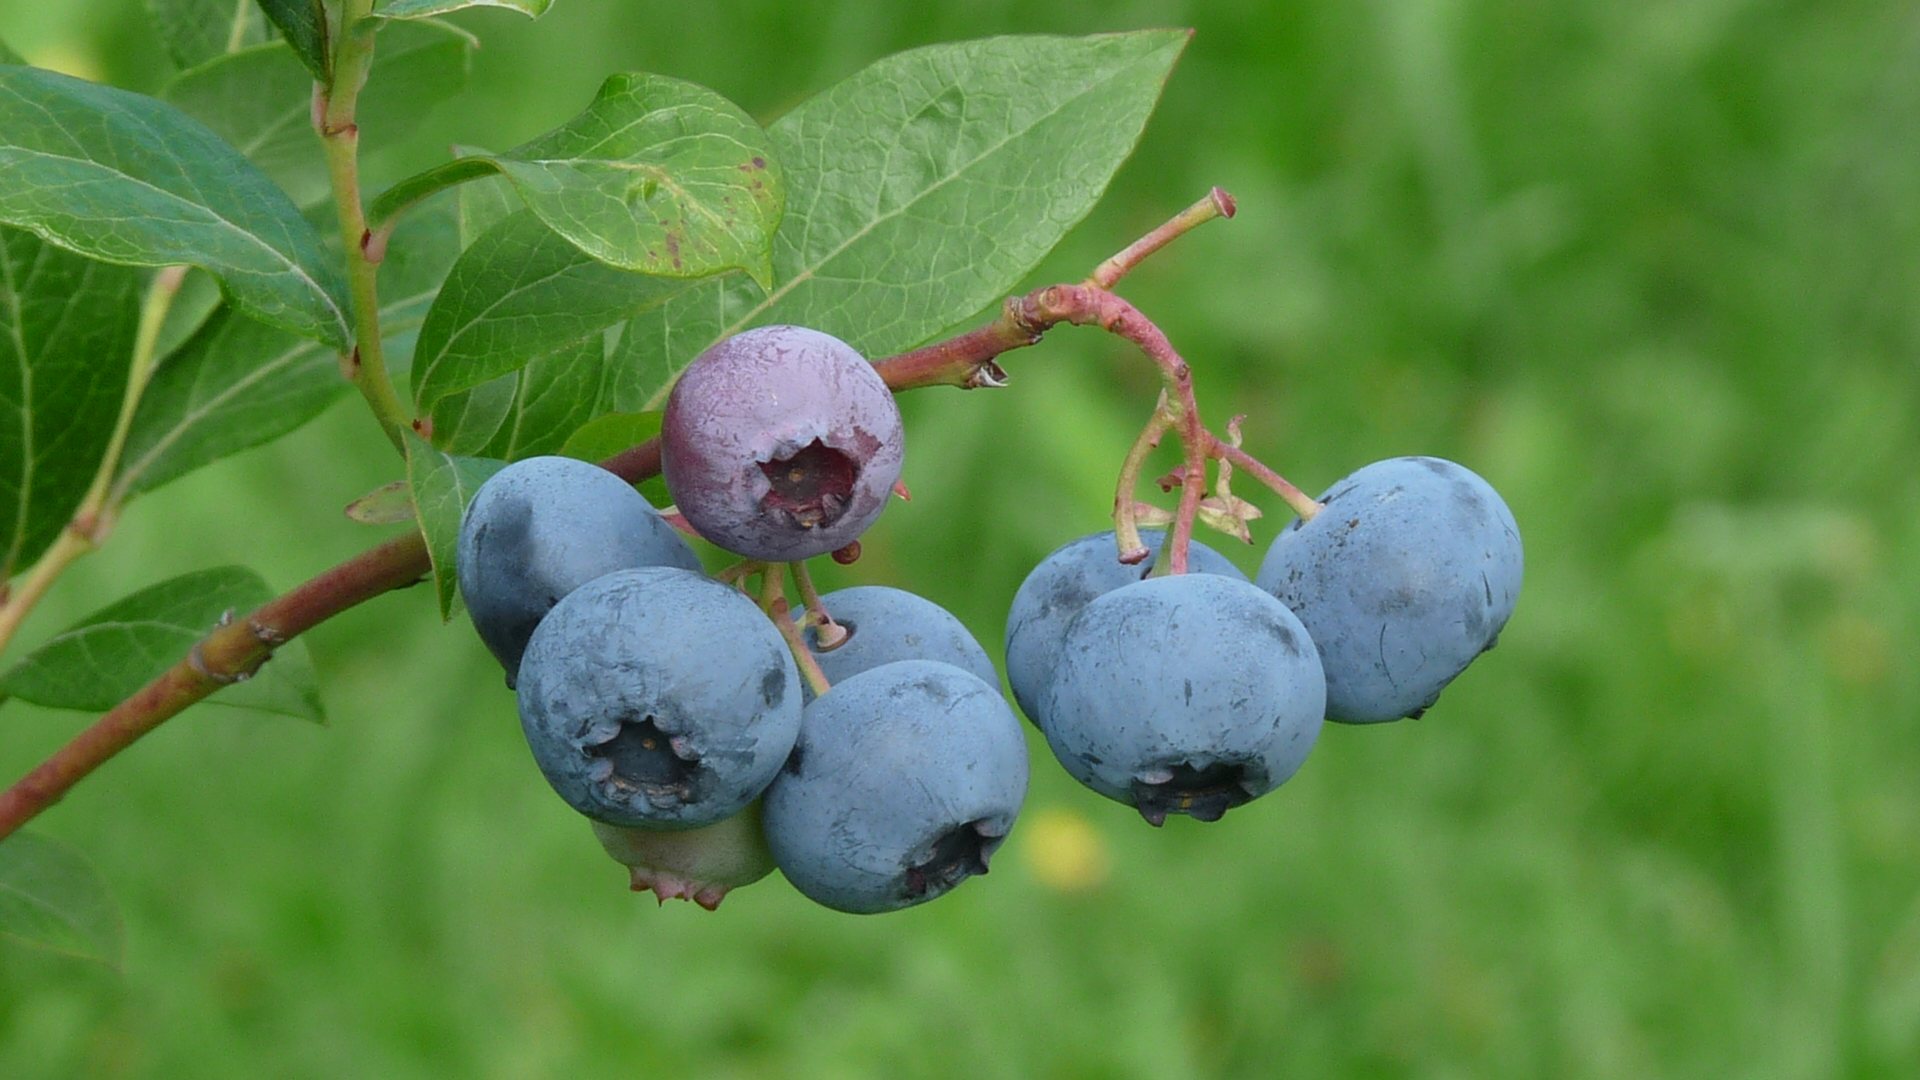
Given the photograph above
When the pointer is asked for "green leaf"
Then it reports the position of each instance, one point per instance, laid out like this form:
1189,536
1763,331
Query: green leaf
304,24
127,179
657,175
66,338
529,412
196,31
611,434
442,485
518,293
8,56
388,504
52,898
239,383
483,203
925,187
109,655
260,100
420,9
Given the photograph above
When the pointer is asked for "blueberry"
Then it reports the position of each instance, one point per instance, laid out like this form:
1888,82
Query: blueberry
1056,590
781,443
1185,695
884,625
542,527
1407,575
905,779
701,865
658,697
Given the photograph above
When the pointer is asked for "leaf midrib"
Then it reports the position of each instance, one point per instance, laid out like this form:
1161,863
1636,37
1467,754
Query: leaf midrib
298,271
251,237
26,414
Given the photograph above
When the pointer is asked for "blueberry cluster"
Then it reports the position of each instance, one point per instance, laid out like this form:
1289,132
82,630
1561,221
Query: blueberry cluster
670,708
665,705
1193,694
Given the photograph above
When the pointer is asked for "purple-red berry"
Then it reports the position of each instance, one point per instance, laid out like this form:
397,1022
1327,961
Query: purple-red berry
781,443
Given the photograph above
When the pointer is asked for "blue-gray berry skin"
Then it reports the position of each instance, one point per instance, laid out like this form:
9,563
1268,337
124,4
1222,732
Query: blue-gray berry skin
781,443
541,528
1185,695
1408,574
658,697
905,779
884,625
1056,590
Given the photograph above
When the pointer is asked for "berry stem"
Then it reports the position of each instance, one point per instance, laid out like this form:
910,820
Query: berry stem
782,617
967,361
1086,305
1216,204
1126,521
829,634
1298,501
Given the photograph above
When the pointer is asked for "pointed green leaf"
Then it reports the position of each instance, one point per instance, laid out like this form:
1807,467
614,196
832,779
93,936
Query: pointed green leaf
239,383
925,187
8,56
531,411
196,31
420,9
127,179
614,433
260,100
388,504
442,485
483,203
657,175
518,293
304,24
52,898
66,337
104,658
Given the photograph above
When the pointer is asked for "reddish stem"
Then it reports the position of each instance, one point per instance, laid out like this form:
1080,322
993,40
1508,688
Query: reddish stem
1216,204
1298,501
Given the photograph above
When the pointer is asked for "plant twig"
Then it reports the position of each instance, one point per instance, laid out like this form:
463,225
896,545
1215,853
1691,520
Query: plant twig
365,365
1217,204
98,508
1298,501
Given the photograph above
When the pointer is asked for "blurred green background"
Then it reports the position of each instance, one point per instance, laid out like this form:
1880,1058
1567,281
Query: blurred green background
1653,268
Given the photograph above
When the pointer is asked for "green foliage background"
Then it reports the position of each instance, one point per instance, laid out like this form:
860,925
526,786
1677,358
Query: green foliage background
1652,268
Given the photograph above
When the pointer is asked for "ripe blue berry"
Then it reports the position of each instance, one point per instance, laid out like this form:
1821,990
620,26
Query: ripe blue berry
658,697
781,443
883,625
542,527
701,865
1187,695
1408,574
904,780
1064,582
